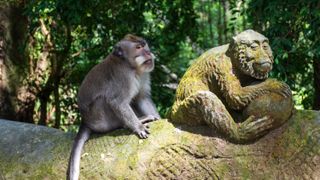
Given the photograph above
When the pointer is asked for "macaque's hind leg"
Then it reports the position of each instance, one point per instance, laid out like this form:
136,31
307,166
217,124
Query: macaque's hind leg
206,107
100,118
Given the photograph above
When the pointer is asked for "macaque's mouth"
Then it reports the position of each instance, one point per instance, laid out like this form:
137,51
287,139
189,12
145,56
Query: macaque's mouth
148,62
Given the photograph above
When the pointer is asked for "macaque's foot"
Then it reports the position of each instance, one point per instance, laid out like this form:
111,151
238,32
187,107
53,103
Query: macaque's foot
147,119
142,131
254,127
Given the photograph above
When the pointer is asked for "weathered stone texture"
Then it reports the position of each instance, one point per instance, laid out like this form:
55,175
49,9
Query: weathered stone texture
171,152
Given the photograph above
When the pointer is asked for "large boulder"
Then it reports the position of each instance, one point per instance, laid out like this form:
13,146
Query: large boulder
171,152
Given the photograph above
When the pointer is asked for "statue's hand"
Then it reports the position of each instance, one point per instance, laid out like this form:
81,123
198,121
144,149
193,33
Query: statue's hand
254,128
278,87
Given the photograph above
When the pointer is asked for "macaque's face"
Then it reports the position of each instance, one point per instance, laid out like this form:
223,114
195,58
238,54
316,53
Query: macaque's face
138,54
143,58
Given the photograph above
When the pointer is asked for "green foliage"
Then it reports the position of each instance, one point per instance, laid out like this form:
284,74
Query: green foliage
84,32
95,26
292,27
168,24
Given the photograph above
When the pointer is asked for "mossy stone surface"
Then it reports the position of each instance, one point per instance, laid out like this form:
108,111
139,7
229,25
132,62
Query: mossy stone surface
171,152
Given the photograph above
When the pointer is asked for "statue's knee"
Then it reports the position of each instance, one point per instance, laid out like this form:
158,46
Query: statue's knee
274,105
206,97
193,109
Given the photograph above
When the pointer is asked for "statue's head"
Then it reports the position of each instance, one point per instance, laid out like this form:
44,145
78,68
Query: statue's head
251,54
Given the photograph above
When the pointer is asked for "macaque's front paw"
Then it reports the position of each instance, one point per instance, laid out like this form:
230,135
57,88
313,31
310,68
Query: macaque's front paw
157,117
142,131
147,119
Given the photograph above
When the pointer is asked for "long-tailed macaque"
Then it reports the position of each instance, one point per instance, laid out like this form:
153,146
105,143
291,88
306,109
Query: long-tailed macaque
114,94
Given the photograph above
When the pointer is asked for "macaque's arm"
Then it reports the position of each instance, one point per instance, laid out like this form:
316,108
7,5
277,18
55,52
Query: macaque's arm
126,114
146,107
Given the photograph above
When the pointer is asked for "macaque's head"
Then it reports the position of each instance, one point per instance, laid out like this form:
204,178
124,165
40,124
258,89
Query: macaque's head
136,51
252,54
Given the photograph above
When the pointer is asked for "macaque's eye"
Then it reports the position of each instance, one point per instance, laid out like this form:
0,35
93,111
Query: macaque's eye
254,46
139,46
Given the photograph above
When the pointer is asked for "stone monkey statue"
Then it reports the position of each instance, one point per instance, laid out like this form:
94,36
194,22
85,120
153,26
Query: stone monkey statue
228,89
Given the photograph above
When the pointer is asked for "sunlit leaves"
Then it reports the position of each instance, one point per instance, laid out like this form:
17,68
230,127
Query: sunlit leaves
290,25
178,31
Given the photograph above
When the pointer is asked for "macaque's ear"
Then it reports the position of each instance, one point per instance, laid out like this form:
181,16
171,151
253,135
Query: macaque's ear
117,51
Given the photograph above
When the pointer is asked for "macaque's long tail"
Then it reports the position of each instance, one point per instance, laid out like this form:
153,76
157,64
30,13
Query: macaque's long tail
74,161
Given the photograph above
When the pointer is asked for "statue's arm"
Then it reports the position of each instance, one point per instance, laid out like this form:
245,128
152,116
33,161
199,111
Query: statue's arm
238,97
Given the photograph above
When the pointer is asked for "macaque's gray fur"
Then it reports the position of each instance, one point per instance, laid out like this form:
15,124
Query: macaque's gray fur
115,94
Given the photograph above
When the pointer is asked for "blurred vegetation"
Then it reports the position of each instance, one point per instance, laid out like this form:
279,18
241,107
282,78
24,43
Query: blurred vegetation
61,40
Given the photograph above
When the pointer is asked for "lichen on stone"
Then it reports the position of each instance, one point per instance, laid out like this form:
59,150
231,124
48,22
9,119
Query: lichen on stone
228,89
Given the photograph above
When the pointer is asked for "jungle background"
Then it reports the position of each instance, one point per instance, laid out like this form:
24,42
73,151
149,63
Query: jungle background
48,46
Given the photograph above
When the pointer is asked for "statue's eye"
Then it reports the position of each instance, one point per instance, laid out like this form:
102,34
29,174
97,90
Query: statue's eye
265,46
254,46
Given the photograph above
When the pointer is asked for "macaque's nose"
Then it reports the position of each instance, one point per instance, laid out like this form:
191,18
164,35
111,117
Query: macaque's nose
147,52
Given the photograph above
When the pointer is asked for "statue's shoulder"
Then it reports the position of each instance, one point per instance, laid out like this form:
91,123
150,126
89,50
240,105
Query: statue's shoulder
213,54
219,49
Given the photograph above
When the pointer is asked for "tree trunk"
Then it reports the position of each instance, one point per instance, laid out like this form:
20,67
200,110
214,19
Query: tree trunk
23,80
225,5
15,101
219,24
57,107
210,24
59,72
6,107
257,14
244,19
57,66
316,76
43,109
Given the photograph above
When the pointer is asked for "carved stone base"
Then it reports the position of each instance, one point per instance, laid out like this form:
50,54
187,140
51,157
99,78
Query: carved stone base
289,152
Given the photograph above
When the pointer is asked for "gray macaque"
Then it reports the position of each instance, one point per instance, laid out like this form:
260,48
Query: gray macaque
115,94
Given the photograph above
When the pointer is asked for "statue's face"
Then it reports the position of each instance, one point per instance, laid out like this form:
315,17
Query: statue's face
254,54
